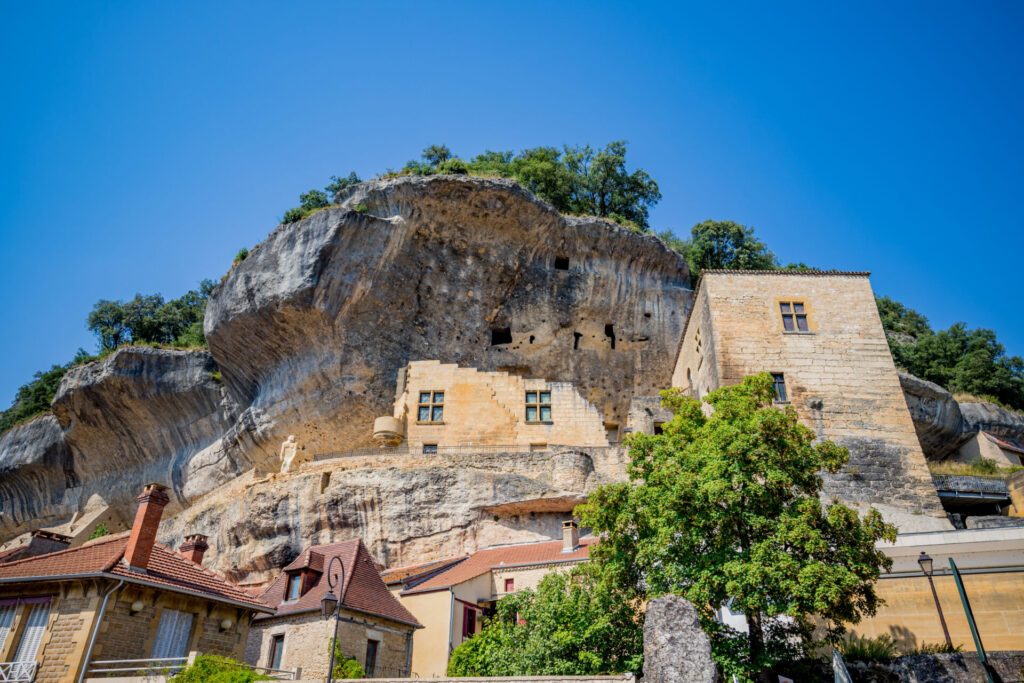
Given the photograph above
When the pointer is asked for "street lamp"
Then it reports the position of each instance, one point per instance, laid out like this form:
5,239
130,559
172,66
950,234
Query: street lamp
928,566
330,606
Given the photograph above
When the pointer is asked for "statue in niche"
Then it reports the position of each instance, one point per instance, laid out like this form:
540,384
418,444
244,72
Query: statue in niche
290,458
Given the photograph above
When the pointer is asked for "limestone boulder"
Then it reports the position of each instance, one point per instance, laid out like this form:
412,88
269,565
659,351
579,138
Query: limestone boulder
36,471
938,418
993,419
676,649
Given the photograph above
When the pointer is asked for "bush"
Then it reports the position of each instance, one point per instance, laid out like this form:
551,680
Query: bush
34,397
934,649
865,649
453,167
242,254
344,666
217,669
100,531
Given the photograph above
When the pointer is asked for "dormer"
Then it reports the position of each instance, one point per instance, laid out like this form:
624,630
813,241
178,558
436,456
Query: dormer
303,573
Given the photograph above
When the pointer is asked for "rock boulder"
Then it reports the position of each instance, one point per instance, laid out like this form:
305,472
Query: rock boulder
676,649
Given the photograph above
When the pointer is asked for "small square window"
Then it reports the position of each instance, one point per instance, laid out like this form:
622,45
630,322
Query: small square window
794,316
430,448
538,406
779,383
431,407
510,585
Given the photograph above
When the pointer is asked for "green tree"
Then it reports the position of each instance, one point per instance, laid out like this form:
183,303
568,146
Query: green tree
725,245
217,669
574,623
604,187
34,398
148,319
336,188
724,508
345,666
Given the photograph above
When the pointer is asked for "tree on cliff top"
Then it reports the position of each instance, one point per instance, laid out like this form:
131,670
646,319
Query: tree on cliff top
725,509
574,624
148,319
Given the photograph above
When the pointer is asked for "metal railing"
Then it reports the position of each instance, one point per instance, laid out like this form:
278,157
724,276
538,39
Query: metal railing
406,450
389,672
277,674
17,672
161,668
957,484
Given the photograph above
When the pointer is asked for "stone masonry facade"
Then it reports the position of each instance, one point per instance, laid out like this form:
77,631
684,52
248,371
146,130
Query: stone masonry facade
839,376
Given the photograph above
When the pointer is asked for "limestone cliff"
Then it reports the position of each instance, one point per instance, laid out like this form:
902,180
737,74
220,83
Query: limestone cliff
35,472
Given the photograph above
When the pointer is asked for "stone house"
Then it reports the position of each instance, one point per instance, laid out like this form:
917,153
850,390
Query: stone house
1003,451
115,598
451,604
440,406
374,627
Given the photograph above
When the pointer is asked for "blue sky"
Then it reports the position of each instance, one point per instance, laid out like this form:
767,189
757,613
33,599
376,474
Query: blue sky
143,144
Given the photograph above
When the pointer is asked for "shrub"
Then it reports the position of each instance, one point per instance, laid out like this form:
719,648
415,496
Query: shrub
242,254
453,167
217,669
346,667
934,649
100,531
865,649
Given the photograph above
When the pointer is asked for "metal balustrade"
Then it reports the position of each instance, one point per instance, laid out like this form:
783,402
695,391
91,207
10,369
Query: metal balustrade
17,672
158,669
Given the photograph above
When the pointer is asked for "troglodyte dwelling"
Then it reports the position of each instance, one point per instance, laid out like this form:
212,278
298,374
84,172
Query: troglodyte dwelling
374,627
116,598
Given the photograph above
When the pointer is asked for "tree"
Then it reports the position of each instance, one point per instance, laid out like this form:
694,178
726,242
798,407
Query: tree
148,319
725,509
574,623
336,188
603,187
725,245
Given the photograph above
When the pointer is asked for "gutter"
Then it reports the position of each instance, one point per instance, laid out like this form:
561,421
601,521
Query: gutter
96,630
149,584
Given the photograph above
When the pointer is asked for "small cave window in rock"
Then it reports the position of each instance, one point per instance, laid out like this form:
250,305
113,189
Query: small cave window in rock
561,263
609,331
501,336
576,336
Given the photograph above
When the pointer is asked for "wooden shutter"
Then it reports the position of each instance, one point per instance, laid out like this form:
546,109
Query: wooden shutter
172,634
6,621
33,634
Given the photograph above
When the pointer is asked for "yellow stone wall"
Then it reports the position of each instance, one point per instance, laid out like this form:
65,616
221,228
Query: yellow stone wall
909,615
489,409
980,446
430,643
840,377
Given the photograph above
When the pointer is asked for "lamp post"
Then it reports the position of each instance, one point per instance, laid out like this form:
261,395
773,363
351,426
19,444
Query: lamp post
330,606
928,566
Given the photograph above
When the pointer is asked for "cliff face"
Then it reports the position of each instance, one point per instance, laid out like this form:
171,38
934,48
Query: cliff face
311,329
35,471
405,508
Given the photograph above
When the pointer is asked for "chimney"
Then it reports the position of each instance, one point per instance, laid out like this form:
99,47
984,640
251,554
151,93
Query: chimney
147,518
194,547
570,536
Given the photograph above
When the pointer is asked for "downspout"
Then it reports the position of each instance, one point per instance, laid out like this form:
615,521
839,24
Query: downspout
95,630
451,621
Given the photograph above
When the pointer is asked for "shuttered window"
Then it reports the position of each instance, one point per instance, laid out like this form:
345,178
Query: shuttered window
33,633
172,634
6,622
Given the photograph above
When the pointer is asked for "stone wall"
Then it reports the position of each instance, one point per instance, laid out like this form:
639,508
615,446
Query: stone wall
1008,667
307,639
488,408
839,376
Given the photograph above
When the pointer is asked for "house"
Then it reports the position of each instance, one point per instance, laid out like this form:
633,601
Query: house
39,542
120,597
374,627
450,604
1002,450
403,578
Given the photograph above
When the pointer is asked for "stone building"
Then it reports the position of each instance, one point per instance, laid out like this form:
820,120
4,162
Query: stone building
443,405
1001,450
820,336
116,598
451,604
374,627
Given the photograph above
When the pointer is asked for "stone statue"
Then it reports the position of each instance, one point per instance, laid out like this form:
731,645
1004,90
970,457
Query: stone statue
289,453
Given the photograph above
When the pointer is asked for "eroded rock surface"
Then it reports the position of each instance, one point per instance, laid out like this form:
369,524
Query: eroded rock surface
407,509
676,649
937,417
312,328
35,472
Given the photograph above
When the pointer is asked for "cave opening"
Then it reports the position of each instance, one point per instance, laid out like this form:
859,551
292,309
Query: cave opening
609,331
561,263
501,336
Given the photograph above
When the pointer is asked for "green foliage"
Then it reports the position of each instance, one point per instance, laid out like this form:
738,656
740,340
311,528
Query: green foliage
574,624
314,200
960,359
34,397
344,666
725,509
242,254
575,180
865,649
217,669
100,531
148,319
336,188
934,649
725,245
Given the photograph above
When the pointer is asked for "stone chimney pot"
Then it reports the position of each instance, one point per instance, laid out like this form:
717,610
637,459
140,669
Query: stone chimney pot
570,536
194,547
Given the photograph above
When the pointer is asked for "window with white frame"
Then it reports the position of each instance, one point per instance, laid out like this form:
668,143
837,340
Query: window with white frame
172,634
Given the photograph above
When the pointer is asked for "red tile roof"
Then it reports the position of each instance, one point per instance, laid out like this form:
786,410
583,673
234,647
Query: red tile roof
1006,443
167,569
485,560
416,571
363,589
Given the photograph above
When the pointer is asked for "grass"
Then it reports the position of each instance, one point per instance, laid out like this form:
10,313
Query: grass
978,468
962,397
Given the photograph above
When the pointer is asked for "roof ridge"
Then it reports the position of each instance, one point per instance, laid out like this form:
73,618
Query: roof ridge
206,570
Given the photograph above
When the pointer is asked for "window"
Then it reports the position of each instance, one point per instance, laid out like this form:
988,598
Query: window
538,406
371,658
538,447
276,651
779,381
510,585
172,634
794,316
658,428
468,621
33,634
431,407
501,336
561,263
6,622
430,448
294,587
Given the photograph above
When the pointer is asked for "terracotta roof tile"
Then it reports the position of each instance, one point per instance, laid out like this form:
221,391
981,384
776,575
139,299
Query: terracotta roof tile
485,560
363,588
166,568
415,571
1006,443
